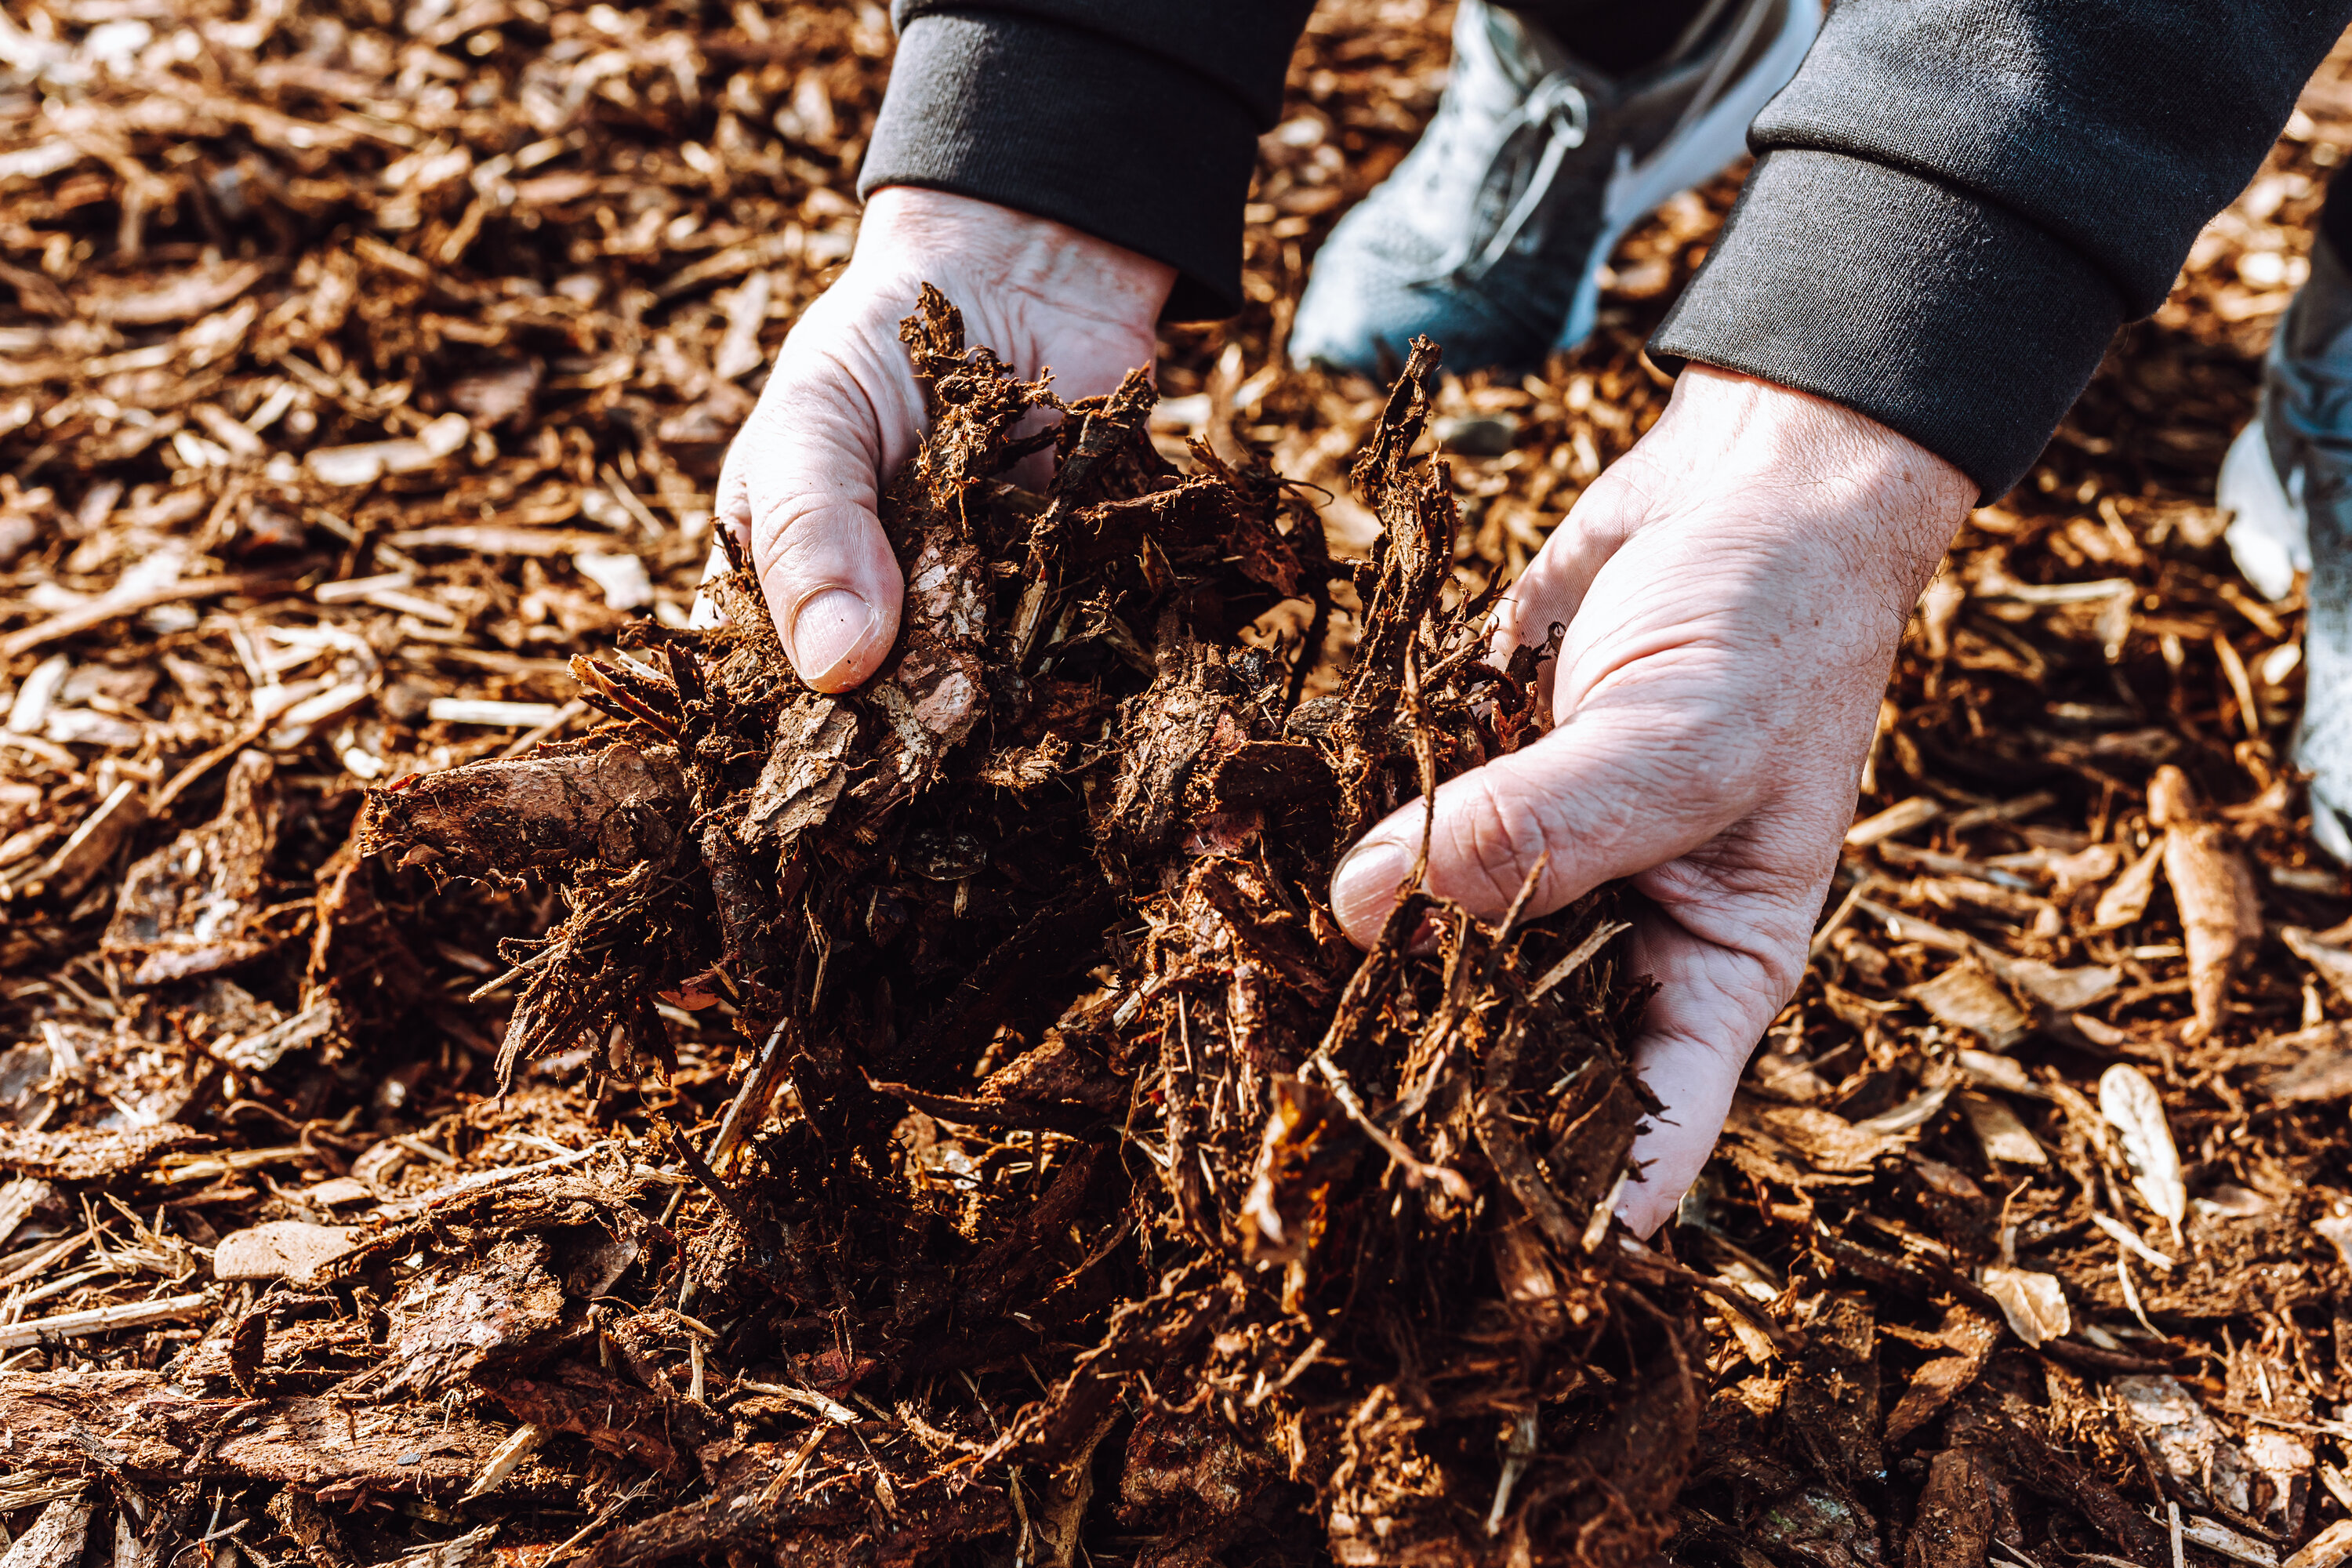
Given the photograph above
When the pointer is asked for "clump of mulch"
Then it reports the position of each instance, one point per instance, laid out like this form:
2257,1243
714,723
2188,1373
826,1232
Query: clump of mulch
366,364
1306,1240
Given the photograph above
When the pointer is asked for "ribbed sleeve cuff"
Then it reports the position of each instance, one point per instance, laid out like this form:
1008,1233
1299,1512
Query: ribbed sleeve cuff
1066,124
1945,319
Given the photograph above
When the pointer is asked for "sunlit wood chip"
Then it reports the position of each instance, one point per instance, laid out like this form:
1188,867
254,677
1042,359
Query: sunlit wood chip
623,577
279,1249
2217,1537
507,1459
2121,1234
55,1539
2006,1140
2330,962
474,711
1901,817
2064,990
2337,1230
371,461
2329,1548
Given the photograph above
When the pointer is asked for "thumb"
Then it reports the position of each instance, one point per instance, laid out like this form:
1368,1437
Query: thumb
1607,793
801,491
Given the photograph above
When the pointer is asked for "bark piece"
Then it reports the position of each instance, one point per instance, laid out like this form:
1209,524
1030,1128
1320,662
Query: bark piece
136,1422
492,1316
55,1539
1831,1407
89,1155
1971,1336
1954,1527
611,804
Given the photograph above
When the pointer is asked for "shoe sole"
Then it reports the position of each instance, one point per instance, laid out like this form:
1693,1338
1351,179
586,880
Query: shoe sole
2268,537
1696,156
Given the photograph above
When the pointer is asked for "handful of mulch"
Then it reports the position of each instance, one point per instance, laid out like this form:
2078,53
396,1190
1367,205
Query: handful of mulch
1112,1199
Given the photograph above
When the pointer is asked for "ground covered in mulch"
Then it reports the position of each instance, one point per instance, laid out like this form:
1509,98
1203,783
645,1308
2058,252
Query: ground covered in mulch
491,1073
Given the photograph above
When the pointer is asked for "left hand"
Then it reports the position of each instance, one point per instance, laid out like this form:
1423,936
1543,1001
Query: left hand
1734,590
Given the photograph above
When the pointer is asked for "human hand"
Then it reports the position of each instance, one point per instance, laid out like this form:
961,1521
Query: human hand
1733,591
841,411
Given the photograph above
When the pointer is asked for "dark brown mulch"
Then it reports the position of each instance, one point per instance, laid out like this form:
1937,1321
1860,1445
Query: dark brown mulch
367,364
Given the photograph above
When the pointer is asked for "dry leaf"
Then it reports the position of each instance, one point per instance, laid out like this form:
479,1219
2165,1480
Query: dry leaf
1966,998
2220,914
2136,1111
2330,962
2034,1304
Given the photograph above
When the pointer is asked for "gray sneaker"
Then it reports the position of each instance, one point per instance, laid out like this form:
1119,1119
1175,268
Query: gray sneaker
1490,236
2287,483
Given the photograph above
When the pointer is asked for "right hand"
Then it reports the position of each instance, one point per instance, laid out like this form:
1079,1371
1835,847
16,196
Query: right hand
841,411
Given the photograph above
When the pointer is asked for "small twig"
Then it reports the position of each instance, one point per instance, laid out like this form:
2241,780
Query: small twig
100,1320
703,1173
604,1516
537,960
1579,955
1450,1181
206,763
1640,1260
112,606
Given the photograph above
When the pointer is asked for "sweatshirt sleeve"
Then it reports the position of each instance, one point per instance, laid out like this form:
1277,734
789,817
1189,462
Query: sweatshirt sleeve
1135,122
1957,202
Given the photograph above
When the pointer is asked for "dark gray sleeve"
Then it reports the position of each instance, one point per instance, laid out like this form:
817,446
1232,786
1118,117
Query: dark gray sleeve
1957,202
1137,122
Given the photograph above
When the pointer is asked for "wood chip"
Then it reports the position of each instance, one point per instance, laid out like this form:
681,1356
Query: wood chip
101,1320
2004,1139
2329,1549
280,1249
1900,817
55,1539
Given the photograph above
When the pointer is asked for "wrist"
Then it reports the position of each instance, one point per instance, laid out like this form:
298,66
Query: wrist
1805,463
910,228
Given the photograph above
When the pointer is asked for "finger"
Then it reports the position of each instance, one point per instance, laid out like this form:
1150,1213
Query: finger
1714,1003
801,488
1552,588
1615,790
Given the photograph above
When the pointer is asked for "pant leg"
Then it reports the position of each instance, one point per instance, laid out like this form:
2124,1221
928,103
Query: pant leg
1619,38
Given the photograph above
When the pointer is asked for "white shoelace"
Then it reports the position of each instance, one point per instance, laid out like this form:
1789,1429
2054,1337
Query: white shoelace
1559,107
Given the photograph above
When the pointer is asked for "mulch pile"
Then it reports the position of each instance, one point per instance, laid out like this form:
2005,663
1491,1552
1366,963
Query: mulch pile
491,1073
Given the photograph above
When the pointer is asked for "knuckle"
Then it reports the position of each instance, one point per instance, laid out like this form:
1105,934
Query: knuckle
1491,834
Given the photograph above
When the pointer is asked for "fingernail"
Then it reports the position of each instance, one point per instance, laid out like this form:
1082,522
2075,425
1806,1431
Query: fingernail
1365,886
829,629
